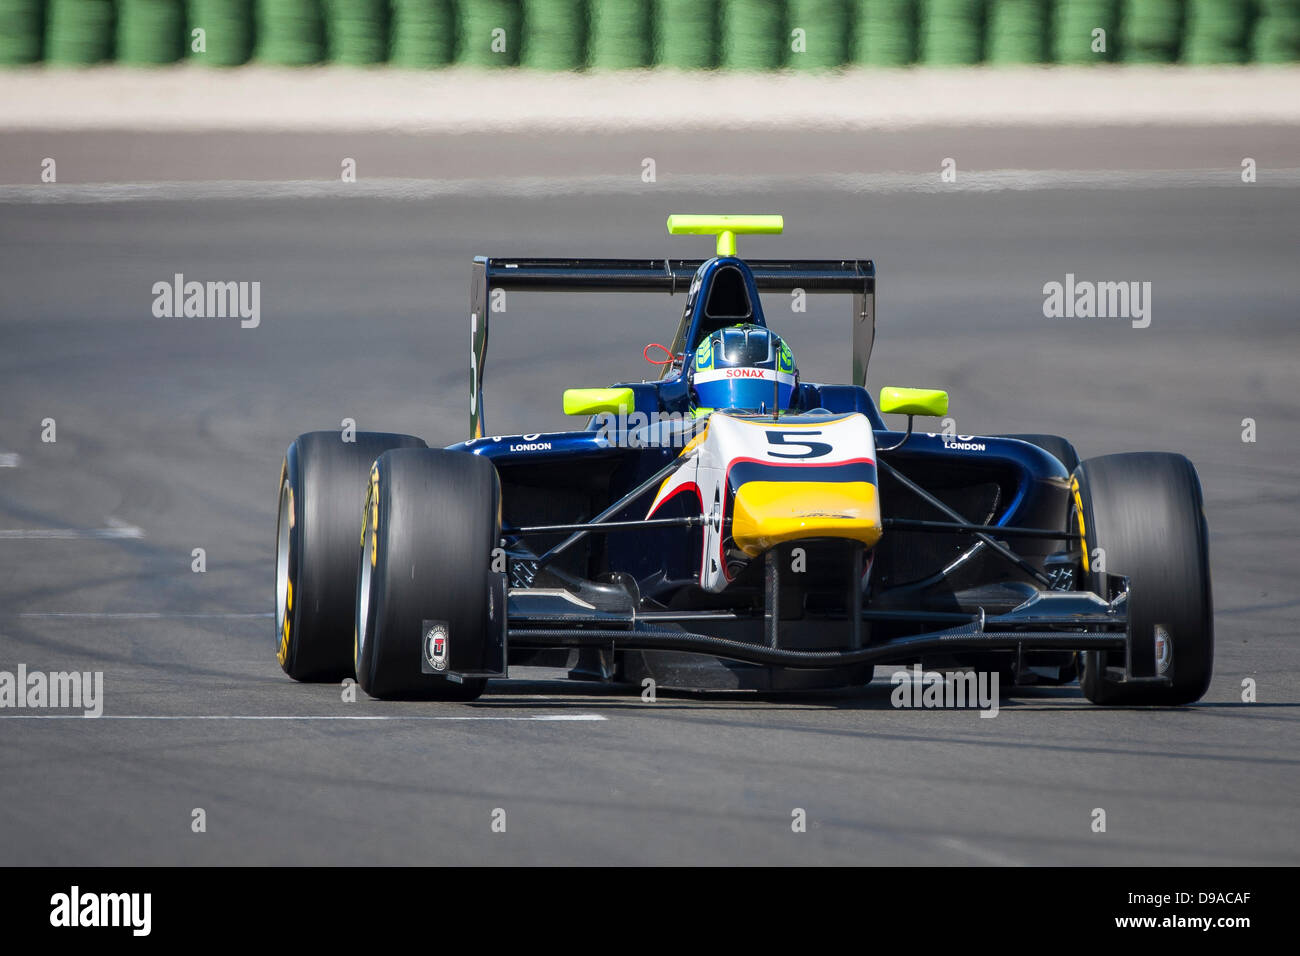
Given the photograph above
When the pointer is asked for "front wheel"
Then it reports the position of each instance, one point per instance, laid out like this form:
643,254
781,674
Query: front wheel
1141,515
428,602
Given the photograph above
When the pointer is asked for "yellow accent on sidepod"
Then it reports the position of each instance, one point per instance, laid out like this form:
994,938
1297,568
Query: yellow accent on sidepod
768,513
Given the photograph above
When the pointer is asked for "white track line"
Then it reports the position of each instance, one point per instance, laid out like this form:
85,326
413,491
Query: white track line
998,180
141,615
117,528
549,718
983,854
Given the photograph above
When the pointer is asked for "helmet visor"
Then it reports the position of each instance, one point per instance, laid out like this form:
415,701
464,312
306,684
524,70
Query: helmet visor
746,346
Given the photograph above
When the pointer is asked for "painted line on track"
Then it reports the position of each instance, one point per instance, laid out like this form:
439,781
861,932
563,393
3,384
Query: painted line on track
547,718
116,528
524,187
143,615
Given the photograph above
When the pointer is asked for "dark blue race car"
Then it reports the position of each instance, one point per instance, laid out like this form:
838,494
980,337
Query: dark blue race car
730,525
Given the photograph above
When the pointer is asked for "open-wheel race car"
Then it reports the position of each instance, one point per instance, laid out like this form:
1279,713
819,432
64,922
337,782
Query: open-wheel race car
730,525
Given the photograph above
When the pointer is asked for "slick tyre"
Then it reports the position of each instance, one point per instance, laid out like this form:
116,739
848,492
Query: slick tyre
1141,515
1053,445
322,489
431,522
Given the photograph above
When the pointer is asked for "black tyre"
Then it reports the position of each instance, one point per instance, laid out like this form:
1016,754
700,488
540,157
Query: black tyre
431,521
322,490
1145,513
1053,445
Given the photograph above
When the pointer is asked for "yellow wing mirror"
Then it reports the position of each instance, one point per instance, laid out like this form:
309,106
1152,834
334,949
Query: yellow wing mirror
910,402
913,401
594,401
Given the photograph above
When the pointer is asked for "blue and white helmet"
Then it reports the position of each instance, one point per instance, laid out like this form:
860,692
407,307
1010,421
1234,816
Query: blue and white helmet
745,367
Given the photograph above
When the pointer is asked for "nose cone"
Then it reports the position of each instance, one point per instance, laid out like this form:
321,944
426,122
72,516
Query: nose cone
768,513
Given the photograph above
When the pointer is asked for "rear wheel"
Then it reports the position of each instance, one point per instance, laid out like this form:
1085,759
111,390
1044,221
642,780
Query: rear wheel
1141,515
431,521
322,489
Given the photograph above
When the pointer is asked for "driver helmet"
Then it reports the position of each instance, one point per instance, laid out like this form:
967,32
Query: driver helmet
745,367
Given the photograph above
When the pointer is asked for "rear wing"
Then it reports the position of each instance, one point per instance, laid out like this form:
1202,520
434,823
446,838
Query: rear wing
856,277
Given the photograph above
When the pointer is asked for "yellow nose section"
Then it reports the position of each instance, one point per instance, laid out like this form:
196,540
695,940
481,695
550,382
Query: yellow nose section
768,513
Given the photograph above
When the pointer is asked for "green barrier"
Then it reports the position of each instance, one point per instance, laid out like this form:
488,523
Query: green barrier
1150,30
22,31
1217,31
227,27
150,31
554,34
79,32
620,34
1276,38
753,34
681,34
686,34
423,33
950,32
489,33
884,32
356,31
1074,24
290,32
824,40
1016,31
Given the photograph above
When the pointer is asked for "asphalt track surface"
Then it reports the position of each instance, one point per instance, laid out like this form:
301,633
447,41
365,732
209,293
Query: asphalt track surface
170,434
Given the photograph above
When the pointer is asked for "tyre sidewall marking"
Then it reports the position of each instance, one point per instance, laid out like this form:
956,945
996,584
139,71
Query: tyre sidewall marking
289,475
363,629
